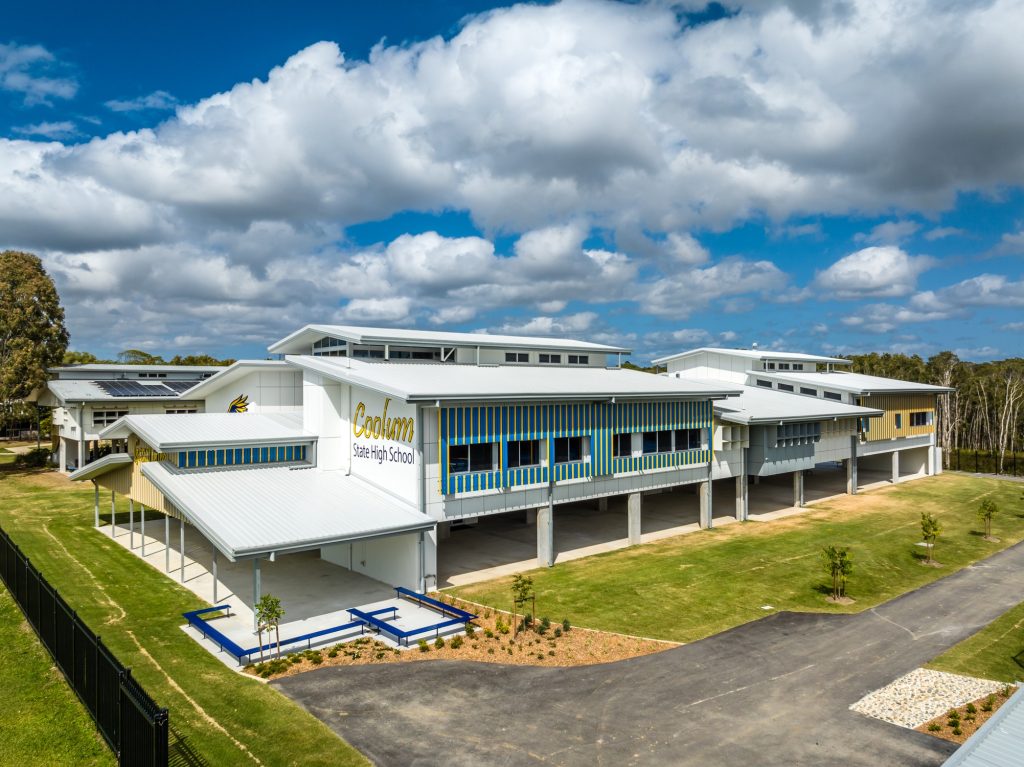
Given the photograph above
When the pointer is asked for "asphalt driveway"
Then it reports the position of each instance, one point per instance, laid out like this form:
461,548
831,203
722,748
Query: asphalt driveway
773,692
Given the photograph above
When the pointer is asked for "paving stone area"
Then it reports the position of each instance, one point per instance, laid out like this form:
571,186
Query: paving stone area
922,695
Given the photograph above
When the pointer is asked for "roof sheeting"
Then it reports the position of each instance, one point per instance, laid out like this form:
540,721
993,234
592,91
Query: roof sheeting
174,432
759,405
997,743
83,390
755,354
230,374
367,335
248,512
419,382
100,466
856,383
111,367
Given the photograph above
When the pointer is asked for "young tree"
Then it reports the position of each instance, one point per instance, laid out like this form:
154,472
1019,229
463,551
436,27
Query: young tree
930,531
838,564
522,591
268,616
986,510
32,333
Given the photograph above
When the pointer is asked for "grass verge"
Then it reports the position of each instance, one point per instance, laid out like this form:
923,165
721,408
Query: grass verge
43,723
995,652
225,716
696,585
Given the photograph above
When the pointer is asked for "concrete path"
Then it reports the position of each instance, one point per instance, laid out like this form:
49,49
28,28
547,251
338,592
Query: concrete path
773,692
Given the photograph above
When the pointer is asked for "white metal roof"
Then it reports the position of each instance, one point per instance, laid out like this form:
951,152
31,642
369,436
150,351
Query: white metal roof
113,367
165,432
67,390
856,383
755,354
997,743
254,511
100,466
756,404
300,340
414,382
229,374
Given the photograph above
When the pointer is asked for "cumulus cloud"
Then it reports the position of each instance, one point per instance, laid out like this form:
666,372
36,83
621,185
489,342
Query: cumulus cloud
881,271
941,232
26,70
679,295
59,129
1011,243
549,326
889,232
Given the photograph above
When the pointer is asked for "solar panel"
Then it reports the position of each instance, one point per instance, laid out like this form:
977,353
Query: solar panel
179,386
134,389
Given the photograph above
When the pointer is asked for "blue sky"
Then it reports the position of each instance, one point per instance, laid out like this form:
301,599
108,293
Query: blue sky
837,177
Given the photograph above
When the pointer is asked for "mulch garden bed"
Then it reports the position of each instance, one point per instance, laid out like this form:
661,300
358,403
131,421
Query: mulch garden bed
958,724
494,640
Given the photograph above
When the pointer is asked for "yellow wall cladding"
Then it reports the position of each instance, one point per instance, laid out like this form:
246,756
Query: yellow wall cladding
903,404
129,481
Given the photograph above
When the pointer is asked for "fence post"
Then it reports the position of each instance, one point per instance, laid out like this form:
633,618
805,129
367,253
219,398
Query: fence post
975,460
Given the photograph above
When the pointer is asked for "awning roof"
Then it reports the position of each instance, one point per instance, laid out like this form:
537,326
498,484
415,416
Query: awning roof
166,432
251,512
100,466
757,404
855,383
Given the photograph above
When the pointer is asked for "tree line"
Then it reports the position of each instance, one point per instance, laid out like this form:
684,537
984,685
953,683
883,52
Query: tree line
984,413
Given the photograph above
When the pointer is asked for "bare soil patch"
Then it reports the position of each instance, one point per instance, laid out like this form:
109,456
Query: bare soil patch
493,641
840,601
926,563
968,718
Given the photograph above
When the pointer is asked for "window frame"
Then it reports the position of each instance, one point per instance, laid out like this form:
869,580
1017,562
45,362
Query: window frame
569,441
471,467
518,452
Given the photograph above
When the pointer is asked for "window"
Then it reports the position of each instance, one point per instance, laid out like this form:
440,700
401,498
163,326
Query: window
657,442
811,392
798,366
107,417
464,458
769,366
785,387
377,354
517,357
783,366
180,411
622,445
923,418
688,439
833,395
899,420
152,375
551,359
568,449
524,453
579,359
762,382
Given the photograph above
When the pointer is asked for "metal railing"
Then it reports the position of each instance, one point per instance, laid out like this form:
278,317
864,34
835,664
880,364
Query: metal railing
986,462
126,716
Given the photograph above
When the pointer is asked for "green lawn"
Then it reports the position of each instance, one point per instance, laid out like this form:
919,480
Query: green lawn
42,722
226,717
995,652
695,585
6,456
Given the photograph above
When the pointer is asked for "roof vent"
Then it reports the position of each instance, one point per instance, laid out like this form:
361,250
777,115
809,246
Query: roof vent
754,346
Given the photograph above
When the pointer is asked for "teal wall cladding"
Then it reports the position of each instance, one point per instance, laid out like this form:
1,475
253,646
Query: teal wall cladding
600,421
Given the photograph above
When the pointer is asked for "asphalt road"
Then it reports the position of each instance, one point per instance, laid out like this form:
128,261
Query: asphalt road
773,692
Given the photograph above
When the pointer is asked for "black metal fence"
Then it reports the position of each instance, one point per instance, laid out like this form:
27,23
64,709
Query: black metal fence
130,722
987,462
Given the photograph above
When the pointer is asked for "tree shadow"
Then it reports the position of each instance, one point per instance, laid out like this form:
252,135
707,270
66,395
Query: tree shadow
181,753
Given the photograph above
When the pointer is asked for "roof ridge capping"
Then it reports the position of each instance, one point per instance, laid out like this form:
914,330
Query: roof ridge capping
759,354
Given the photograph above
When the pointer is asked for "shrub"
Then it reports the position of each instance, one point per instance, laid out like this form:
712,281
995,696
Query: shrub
470,630
501,626
439,643
565,624
488,633
332,653
490,651
970,708
1007,691
455,643
36,458
558,631
294,658
551,653
957,731
422,644
989,703
933,727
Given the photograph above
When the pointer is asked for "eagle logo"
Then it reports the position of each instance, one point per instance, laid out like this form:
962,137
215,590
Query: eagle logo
239,404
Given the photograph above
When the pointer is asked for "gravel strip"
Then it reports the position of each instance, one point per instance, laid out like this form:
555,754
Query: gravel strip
922,695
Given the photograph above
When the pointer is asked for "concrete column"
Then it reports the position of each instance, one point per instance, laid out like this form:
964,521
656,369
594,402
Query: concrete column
113,515
634,506
62,456
167,543
214,571
530,515
81,446
131,525
741,497
602,503
895,466
546,535
798,488
851,467
937,460
96,502
256,588
181,535
142,522
705,504
444,531
757,479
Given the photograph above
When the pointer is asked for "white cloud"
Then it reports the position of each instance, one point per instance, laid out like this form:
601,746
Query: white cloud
688,291
1011,243
883,318
60,129
1013,326
942,232
685,249
881,271
24,69
155,101
889,232
549,326
983,290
